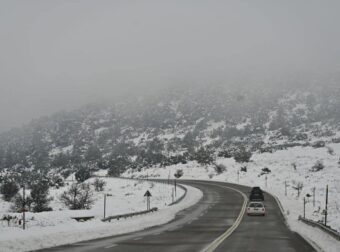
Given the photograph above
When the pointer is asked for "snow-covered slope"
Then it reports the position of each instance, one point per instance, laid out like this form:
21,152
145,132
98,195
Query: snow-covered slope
54,228
291,166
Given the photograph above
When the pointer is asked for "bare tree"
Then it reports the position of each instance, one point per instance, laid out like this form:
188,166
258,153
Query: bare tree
298,187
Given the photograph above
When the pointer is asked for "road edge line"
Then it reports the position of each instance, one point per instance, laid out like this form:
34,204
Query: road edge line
312,243
212,246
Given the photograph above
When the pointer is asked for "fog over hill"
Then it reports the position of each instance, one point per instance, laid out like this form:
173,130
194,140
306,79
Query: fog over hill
60,55
175,126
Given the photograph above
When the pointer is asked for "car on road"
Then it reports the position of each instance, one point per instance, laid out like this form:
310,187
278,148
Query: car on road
256,197
256,194
256,189
256,208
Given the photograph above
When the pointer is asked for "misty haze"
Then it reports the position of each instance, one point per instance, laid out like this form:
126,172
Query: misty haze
169,125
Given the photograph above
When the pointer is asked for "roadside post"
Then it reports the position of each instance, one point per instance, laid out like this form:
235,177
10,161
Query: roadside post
304,207
313,190
23,207
326,208
148,195
286,185
105,195
172,195
304,204
175,188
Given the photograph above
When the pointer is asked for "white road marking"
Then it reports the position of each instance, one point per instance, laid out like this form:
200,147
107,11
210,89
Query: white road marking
111,246
138,238
227,233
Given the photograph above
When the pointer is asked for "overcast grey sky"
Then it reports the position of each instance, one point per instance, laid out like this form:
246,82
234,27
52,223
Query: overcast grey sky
60,54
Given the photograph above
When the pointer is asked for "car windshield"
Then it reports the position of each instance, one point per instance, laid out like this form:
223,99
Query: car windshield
255,205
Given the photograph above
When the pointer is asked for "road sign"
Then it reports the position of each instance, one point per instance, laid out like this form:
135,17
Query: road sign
147,194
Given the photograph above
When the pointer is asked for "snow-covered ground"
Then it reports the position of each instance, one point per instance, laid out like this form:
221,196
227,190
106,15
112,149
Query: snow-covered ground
292,166
54,228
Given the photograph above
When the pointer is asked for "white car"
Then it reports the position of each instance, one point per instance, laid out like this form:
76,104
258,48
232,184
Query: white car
256,208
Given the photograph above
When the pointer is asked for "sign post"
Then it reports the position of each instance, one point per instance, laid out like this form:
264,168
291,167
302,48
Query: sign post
148,195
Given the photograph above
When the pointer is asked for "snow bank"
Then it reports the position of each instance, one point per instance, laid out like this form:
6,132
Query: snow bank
57,228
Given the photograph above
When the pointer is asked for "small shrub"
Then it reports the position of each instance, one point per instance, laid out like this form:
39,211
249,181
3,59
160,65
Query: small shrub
99,185
318,166
266,170
220,168
336,140
225,154
242,155
57,181
9,189
204,156
319,144
82,174
244,169
179,173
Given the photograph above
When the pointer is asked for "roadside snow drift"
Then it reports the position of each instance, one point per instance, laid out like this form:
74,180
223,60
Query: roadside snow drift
49,229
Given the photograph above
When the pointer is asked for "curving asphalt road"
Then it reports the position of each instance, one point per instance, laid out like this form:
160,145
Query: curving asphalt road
198,227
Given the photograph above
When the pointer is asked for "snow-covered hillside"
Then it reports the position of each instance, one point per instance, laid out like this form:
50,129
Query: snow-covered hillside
291,133
292,166
53,228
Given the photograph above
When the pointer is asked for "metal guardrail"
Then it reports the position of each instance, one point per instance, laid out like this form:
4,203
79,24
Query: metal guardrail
180,198
83,218
121,216
163,181
324,228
